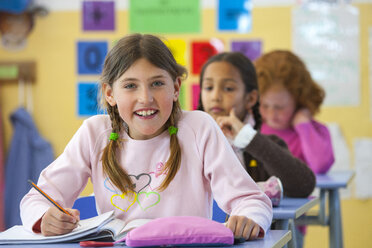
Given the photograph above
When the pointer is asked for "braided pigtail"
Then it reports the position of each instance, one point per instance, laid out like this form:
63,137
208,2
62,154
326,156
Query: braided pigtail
111,167
173,164
257,116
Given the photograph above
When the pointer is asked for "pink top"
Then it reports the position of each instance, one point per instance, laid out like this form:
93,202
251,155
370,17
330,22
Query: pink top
310,142
208,166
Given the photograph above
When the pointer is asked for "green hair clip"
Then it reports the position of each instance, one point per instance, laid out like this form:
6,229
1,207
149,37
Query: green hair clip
172,130
114,136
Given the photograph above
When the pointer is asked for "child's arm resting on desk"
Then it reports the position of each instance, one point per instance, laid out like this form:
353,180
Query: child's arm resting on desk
232,188
54,222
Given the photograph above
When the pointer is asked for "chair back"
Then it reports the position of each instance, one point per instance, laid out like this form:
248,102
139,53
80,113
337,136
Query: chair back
87,206
218,214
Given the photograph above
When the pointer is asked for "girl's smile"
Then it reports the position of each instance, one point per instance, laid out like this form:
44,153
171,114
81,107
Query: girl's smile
146,113
144,96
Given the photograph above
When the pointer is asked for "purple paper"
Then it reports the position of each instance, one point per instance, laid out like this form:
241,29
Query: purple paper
98,15
251,49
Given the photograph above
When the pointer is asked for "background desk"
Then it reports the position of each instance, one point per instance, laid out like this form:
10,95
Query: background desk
273,239
329,185
290,209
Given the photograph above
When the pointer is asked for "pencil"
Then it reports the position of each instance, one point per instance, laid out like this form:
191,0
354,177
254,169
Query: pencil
49,198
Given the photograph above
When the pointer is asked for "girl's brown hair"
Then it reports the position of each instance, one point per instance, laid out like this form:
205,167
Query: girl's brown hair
127,51
286,69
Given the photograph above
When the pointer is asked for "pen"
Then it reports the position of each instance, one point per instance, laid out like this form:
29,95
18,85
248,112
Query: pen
93,243
48,198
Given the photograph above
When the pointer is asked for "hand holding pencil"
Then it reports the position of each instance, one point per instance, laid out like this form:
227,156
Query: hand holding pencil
54,222
57,220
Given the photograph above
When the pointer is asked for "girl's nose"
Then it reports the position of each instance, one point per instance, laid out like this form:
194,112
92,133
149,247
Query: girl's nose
270,113
145,96
216,95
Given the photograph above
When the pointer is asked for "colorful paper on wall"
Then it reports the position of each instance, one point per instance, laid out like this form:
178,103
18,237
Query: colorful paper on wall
201,52
326,37
164,16
178,49
195,88
235,15
251,49
88,99
98,15
91,56
182,97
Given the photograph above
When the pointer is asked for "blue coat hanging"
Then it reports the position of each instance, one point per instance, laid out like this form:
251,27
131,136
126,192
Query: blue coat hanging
28,155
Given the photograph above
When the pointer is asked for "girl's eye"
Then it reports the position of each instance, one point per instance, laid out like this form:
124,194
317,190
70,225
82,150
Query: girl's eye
278,108
208,88
229,89
130,86
157,83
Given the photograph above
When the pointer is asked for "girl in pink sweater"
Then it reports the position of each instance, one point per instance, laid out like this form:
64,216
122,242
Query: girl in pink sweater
289,100
147,158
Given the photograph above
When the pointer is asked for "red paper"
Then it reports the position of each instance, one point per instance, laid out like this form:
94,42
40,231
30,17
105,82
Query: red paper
201,52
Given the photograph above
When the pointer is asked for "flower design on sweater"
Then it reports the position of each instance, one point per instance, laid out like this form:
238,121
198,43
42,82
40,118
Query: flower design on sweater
158,176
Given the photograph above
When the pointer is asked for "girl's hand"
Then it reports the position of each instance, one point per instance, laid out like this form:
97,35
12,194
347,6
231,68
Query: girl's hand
301,116
230,125
55,222
242,227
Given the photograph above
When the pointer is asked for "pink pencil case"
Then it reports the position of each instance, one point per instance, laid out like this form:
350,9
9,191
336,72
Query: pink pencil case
180,230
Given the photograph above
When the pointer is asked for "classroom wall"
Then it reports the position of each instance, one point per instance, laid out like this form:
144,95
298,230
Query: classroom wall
52,44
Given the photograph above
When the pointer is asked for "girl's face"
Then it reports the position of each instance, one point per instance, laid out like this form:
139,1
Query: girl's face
144,95
277,107
223,89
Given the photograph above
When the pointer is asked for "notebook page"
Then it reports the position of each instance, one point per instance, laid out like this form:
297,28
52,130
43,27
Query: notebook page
135,223
131,225
18,234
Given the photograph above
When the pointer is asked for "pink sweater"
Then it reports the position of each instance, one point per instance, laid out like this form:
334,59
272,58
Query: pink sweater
208,166
310,142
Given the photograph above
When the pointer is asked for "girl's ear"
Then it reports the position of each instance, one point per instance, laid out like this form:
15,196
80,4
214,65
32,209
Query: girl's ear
251,99
177,87
109,94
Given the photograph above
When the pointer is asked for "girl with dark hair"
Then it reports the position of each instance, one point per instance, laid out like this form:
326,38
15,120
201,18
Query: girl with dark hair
147,158
229,93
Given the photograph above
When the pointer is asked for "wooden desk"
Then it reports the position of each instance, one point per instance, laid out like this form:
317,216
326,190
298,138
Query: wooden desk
273,239
329,185
288,211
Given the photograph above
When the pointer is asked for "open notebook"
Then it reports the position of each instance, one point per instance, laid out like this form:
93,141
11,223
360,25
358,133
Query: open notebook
104,226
